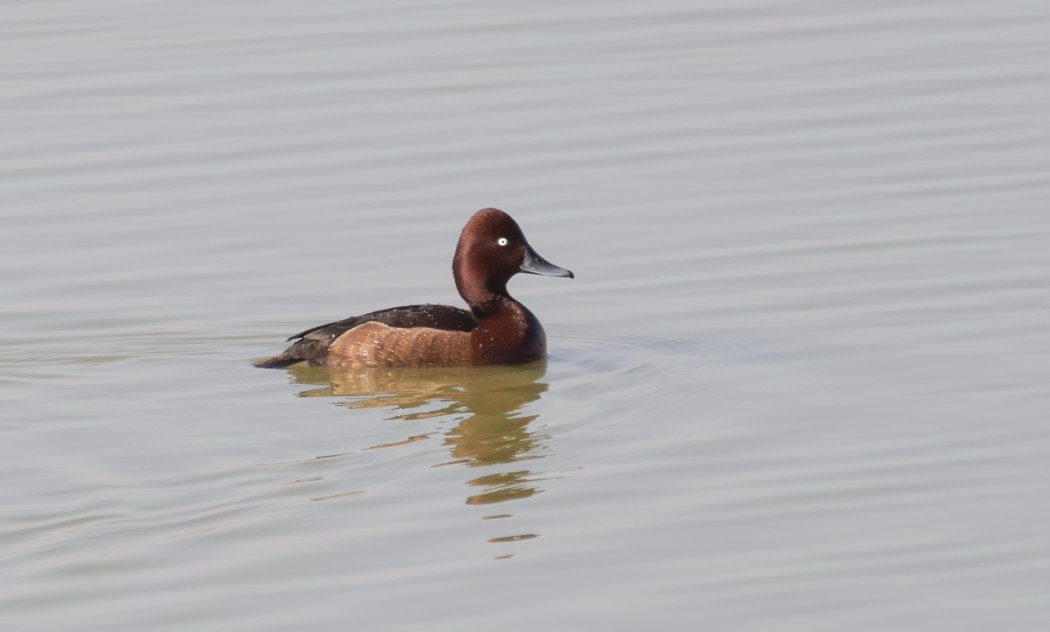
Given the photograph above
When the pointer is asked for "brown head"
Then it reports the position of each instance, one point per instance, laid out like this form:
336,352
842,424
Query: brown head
490,251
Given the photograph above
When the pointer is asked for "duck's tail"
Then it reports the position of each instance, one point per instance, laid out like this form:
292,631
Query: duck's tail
281,361
311,347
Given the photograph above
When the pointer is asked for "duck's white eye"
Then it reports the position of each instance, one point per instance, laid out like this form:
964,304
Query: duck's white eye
502,241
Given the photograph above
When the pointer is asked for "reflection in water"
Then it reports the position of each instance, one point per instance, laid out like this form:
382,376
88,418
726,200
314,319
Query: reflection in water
491,431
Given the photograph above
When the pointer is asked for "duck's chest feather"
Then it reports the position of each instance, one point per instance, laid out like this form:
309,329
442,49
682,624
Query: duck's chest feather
510,335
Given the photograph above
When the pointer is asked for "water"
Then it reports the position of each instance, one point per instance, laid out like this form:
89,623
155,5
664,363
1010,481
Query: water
800,380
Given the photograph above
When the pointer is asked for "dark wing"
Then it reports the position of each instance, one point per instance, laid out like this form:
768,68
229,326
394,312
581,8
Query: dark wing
312,345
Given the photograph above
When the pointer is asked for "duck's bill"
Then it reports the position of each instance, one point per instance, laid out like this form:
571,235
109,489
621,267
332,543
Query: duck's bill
535,264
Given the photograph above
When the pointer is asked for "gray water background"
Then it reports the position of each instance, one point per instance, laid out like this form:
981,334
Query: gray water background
800,381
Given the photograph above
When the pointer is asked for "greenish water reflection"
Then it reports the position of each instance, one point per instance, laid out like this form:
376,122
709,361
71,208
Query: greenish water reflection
491,429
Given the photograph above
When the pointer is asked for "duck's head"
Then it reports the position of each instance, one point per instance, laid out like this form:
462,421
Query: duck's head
490,251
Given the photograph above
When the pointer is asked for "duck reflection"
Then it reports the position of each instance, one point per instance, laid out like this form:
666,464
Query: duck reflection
488,400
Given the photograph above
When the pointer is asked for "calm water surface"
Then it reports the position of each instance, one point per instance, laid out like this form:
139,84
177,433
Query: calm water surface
799,383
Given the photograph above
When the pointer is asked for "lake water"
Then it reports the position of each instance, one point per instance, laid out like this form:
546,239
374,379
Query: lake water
800,381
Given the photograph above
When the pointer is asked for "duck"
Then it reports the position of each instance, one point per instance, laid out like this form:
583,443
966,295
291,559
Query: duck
497,329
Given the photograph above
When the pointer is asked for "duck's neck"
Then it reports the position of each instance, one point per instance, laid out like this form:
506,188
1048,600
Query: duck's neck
495,305
485,295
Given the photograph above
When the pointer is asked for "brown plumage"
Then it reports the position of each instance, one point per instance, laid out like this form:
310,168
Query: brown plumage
496,330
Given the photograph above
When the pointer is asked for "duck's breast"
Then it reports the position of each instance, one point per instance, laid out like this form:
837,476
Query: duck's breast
511,336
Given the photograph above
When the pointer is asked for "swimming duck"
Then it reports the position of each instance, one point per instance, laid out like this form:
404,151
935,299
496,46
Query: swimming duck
497,329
